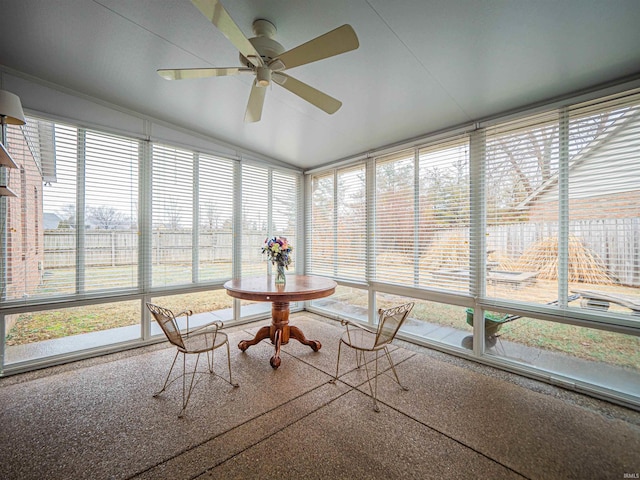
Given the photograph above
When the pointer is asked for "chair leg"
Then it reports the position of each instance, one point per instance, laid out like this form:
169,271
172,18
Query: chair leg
210,358
393,368
360,359
372,389
229,365
168,375
185,402
333,380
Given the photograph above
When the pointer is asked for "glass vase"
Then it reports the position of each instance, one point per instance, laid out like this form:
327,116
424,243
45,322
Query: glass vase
280,277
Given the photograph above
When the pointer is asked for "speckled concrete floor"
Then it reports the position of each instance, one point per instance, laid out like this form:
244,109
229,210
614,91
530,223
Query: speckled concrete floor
96,419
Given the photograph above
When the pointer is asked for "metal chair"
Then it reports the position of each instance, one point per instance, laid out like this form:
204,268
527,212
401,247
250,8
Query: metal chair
203,339
363,339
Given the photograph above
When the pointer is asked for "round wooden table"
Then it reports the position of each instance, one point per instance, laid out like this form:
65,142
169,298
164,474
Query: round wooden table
263,289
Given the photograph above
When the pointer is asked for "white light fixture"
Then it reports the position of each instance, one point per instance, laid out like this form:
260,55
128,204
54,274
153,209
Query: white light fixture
263,76
11,109
10,114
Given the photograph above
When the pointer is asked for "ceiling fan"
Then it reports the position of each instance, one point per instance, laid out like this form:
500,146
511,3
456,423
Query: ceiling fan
265,58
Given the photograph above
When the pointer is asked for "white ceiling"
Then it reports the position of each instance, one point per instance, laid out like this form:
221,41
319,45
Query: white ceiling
422,65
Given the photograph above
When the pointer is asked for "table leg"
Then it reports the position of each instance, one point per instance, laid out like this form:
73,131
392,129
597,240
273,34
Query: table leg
261,335
275,360
279,332
279,329
296,333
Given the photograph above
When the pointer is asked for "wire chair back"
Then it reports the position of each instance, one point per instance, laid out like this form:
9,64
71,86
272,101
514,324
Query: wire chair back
389,322
167,321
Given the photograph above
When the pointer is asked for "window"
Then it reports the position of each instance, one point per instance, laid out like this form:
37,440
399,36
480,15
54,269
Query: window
337,237
563,206
444,216
522,250
215,204
269,208
255,218
109,237
396,214
172,213
99,215
88,208
422,217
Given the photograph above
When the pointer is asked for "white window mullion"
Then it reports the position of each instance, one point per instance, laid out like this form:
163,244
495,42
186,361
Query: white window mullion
145,202
145,209
563,209
335,221
195,221
477,240
416,218
270,232
81,213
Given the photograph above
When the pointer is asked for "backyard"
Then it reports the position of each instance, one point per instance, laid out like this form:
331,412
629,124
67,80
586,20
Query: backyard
587,343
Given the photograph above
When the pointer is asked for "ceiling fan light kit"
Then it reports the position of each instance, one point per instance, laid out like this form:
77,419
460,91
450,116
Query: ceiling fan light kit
264,57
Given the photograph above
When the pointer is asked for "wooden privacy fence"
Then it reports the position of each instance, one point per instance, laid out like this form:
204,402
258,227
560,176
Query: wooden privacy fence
615,240
116,247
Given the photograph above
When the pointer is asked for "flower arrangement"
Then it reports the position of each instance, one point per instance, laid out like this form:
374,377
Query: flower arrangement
278,251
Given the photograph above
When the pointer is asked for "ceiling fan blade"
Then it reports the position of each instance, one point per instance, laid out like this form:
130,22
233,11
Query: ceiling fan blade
256,102
215,12
308,93
342,39
188,73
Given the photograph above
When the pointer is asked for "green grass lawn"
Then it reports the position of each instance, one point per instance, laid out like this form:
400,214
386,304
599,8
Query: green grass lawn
581,342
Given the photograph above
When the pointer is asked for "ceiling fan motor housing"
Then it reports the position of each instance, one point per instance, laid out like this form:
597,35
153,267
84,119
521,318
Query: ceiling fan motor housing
263,42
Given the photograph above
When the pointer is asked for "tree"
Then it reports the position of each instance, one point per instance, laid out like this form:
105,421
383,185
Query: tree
210,217
172,214
106,218
67,216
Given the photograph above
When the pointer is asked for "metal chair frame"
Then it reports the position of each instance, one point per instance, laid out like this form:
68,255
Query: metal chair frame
363,339
212,337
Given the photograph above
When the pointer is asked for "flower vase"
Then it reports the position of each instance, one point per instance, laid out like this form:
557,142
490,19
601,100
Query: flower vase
280,277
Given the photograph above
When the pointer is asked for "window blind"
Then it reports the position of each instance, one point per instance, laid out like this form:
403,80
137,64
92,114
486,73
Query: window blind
522,240
337,240
604,195
111,212
562,203
422,216
172,214
284,220
396,216
442,246
73,225
215,218
255,218
321,233
270,199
